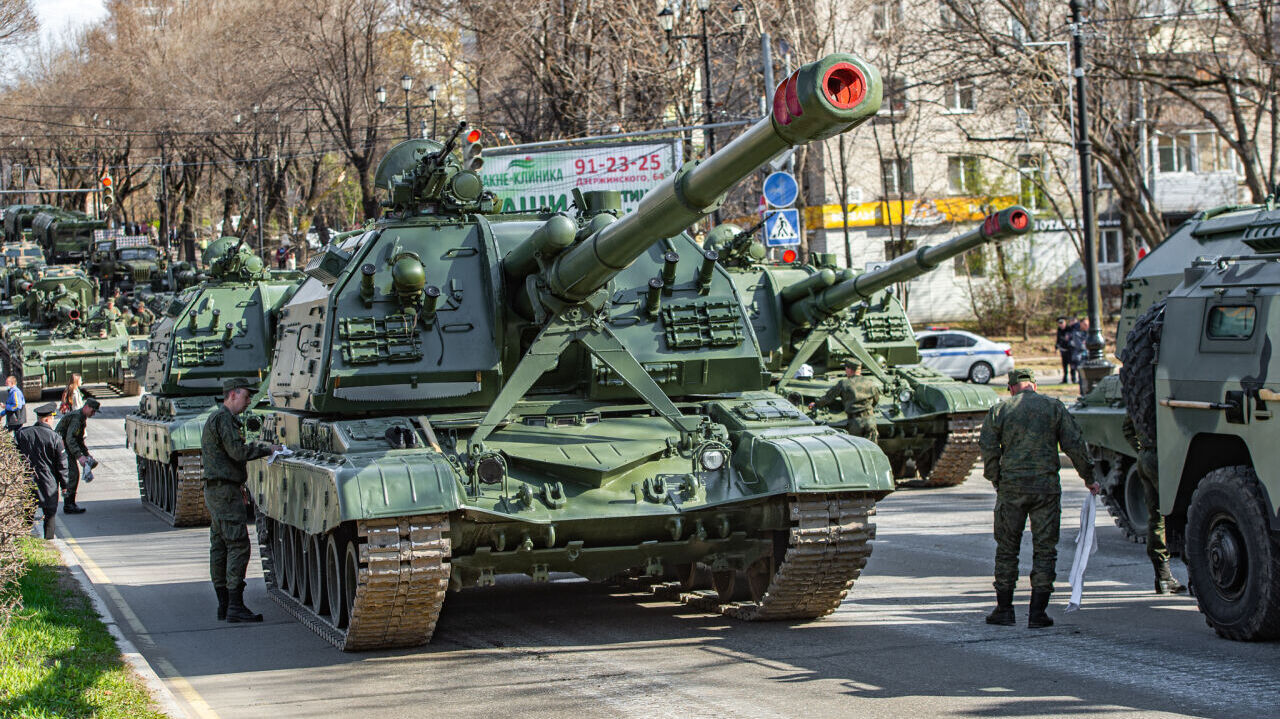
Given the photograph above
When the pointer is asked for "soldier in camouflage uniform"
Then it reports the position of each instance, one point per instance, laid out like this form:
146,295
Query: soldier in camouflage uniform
71,428
858,396
1019,442
1157,549
142,319
225,454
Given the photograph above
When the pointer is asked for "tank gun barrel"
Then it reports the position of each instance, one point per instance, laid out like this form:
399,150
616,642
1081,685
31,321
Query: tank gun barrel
820,100
816,306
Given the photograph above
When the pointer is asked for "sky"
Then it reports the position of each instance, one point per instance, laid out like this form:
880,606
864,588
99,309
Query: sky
56,16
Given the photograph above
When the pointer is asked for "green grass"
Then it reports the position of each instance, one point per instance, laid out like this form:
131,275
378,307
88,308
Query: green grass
57,658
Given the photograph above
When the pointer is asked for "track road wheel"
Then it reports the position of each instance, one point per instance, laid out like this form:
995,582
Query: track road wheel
1110,471
758,576
692,576
315,575
334,551
1135,500
726,585
350,575
1232,556
298,571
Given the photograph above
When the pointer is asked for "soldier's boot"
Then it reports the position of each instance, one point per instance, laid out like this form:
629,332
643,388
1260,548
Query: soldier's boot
222,602
237,612
1166,583
1037,618
1003,613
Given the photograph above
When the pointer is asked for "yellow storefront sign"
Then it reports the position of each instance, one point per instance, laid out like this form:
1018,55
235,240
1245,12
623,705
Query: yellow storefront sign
923,213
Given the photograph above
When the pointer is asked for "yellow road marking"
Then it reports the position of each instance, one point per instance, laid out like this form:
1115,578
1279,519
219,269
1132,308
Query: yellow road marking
103,584
188,692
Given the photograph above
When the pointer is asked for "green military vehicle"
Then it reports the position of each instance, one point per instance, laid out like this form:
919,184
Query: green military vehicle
468,394
127,263
814,317
21,262
1217,232
1199,379
223,328
65,235
18,219
54,335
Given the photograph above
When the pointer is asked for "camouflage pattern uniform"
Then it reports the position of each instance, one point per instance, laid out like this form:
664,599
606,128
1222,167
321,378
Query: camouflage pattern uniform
71,428
225,453
858,396
1019,443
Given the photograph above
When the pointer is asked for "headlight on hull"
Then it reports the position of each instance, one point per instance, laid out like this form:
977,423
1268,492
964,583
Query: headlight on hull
713,458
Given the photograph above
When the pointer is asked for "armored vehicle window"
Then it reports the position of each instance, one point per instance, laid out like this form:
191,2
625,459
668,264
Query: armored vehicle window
929,343
1228,322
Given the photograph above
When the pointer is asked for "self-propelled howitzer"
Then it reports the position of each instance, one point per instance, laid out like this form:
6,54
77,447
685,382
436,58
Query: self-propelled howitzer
814,317
223,328
469,394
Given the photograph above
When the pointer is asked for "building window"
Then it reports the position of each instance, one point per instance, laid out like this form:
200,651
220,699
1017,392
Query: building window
885,16
1110,247
972,263
962,174
895,94
897,248
1031,182
896,176
1201,151
961,96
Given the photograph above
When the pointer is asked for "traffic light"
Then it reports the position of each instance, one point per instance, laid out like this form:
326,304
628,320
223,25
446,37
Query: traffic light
108,189
471,159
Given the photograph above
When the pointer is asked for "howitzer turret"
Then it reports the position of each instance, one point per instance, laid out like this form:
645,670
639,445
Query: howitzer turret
806,307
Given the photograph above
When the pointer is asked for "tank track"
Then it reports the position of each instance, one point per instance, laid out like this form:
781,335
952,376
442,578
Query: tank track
400,584
828,545
1110,470
959,451
176,497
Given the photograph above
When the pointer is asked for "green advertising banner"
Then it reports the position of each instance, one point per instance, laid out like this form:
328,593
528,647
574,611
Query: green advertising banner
537,179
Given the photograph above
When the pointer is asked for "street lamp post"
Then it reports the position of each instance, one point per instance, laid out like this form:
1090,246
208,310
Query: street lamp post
257,178
431,97
1095,366
406,83
666,19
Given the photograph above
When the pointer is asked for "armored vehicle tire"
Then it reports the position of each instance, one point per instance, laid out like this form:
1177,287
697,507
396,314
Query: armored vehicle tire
383,581
1232,556
980,373
1138,374
1115,472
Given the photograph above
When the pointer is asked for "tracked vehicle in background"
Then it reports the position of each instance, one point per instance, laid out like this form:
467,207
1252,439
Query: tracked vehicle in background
53,334
469,394
65,235
819,316
223,328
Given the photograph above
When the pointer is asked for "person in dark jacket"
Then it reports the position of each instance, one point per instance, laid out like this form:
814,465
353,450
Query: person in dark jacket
71,428
1063,345
44,450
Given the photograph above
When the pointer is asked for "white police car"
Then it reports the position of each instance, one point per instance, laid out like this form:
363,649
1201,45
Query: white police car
963,355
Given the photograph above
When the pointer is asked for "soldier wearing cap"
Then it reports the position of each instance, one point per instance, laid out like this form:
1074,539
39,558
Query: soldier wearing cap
1019,443
71,428
858,396
225,454
44,449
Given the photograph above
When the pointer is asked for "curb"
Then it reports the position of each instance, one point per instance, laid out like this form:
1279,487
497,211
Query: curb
160,693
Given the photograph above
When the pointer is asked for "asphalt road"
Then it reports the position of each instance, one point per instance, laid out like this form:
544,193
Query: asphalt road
910,640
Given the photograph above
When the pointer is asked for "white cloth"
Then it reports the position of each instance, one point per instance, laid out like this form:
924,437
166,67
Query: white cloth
1085,546
282,452
805,371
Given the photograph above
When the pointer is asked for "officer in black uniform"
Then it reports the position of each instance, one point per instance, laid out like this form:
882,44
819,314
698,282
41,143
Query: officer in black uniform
43,448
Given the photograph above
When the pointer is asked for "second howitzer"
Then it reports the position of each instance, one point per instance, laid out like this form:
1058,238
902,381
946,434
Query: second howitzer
469,394
820,316
221,329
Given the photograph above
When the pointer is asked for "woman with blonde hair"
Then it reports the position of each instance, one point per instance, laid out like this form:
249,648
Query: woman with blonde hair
72,397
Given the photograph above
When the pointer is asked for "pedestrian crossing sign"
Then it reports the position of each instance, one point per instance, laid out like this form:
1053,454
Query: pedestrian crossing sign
782,227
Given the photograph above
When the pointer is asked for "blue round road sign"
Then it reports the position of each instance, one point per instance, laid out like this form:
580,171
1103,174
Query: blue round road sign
780,189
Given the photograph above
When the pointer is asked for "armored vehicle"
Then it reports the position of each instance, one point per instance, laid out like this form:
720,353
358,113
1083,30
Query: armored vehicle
1217,232
126,264
223,328
815,317
18,218
54,336
22,262
65,235
469,394
1200,377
